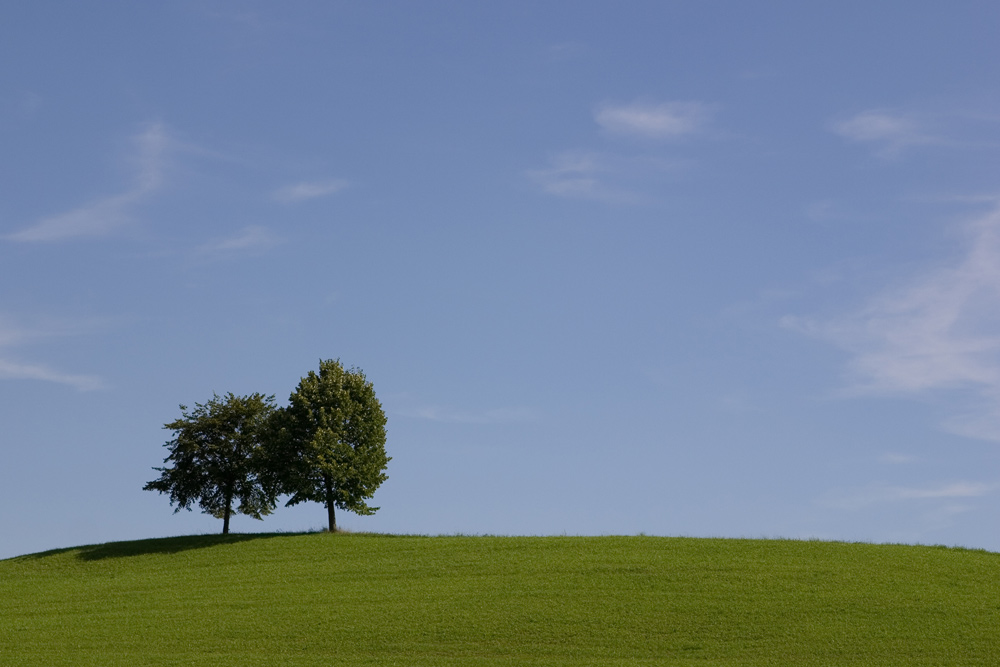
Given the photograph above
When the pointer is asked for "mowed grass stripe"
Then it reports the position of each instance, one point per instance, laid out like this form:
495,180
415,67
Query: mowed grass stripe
319,599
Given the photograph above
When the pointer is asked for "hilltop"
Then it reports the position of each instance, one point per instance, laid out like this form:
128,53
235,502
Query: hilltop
320,599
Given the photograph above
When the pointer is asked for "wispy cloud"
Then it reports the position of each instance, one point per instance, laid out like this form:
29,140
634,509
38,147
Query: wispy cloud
94,219
939,331
449,415
25,331
623,179
298,192
578,175
12,334
669,120
106,214
601,177
10,370
252,238
954,490
891,132
877,494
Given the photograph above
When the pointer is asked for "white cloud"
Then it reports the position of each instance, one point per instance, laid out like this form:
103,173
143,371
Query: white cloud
955,490
10,370
877,494
668,120
12,334
102,216
254,237
879,126
571,175
618,179
890,132
298,192
151,147
939,331
94,219
581,175
18,331
622,179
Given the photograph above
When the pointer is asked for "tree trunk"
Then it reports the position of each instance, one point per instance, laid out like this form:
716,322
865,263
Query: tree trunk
229,511
332,519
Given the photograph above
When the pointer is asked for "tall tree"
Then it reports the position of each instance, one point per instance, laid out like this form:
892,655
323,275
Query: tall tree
217,460
331,441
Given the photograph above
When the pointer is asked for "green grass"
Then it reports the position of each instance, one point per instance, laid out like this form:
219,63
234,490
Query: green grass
322,599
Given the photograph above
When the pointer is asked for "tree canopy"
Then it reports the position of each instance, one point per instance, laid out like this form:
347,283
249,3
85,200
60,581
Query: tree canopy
330,441
217,460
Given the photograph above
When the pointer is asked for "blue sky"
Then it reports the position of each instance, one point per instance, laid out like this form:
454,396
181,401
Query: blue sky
712,269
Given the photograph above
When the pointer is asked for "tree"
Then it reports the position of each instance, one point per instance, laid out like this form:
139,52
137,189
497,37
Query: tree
217,458
330,444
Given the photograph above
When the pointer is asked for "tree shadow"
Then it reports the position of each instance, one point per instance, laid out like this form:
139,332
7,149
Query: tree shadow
162,545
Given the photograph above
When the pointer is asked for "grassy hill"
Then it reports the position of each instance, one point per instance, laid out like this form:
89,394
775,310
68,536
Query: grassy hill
322,599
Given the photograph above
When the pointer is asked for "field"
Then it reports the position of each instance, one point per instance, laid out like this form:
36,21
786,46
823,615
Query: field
326,599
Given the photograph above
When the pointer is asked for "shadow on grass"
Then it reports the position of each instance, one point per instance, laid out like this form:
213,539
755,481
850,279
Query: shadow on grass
163,545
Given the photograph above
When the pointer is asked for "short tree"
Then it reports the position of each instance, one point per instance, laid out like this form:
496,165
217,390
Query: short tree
216,458
330,444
